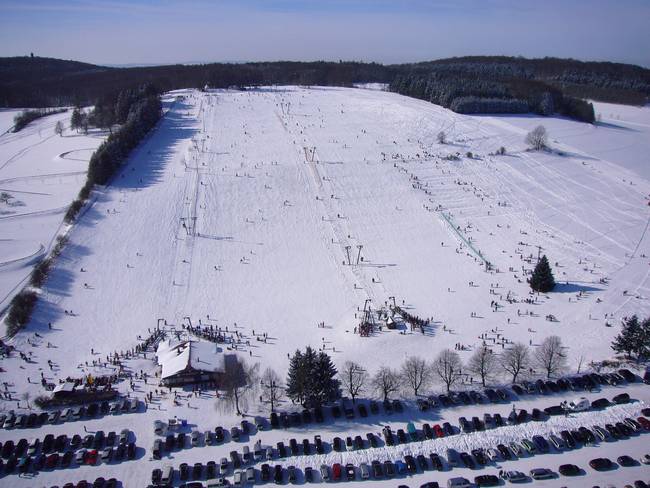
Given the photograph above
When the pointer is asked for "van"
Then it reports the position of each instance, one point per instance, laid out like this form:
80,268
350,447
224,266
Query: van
167,475
579,404
458,482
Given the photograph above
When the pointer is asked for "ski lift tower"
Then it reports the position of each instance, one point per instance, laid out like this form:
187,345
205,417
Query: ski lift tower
367,324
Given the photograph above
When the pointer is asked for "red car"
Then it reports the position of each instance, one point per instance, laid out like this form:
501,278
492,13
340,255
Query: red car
438,431
336,472
52,460
91,457
645,423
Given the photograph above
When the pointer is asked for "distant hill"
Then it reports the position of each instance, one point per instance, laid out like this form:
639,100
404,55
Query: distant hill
476,83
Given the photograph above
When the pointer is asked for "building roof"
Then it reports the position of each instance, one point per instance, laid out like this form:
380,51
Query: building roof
66,386
175,356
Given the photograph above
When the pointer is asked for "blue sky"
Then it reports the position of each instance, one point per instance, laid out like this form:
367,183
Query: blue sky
166,31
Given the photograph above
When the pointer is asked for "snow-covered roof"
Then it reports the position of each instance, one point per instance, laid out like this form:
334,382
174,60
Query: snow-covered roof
175,356
65,386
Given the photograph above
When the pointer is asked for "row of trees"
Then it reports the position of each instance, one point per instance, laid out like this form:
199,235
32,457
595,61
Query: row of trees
23,118
138,111
314,380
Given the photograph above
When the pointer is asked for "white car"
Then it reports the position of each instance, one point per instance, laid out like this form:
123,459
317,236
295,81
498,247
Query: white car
579,405
493,454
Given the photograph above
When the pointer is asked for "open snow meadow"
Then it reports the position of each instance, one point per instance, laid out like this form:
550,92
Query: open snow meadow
42,173
278,215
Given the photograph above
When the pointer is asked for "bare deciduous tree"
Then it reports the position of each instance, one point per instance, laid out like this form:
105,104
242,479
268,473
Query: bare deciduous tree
239,381
550,356
416,374
385,382
442,137
272,387
58,128
447,367
537,138
353,379
515,359
483,363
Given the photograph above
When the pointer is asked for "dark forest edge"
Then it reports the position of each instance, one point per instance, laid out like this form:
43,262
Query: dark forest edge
478,84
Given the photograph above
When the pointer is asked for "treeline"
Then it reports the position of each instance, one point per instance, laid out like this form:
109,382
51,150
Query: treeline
22,119
465,93
42,82
138,111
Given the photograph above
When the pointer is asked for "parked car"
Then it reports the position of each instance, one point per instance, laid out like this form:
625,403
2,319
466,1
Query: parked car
364,471
453,458
467,460
621,398
504,451
569,470
336,471
626,461
325,472
541,474
458,482
513,476
486,480
579,404
601,464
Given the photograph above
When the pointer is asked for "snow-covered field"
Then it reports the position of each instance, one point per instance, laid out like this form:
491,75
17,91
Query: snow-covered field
43,173
237,212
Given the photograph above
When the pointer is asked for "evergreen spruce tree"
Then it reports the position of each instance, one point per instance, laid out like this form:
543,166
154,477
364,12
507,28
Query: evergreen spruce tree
76,119
326,384
311,378
296,378
643,342
310,365
542,278
625,342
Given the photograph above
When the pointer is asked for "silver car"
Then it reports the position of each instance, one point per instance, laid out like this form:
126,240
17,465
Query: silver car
325,472
364,470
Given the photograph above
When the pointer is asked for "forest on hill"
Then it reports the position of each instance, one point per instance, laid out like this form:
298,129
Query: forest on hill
479,84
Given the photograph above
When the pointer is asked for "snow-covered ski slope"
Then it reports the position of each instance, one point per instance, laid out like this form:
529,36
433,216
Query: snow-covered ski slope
43,173
224,212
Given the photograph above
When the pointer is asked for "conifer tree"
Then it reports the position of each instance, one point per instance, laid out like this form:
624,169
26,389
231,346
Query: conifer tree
311,378
76,119
326,384
542,279
296,379
634,338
